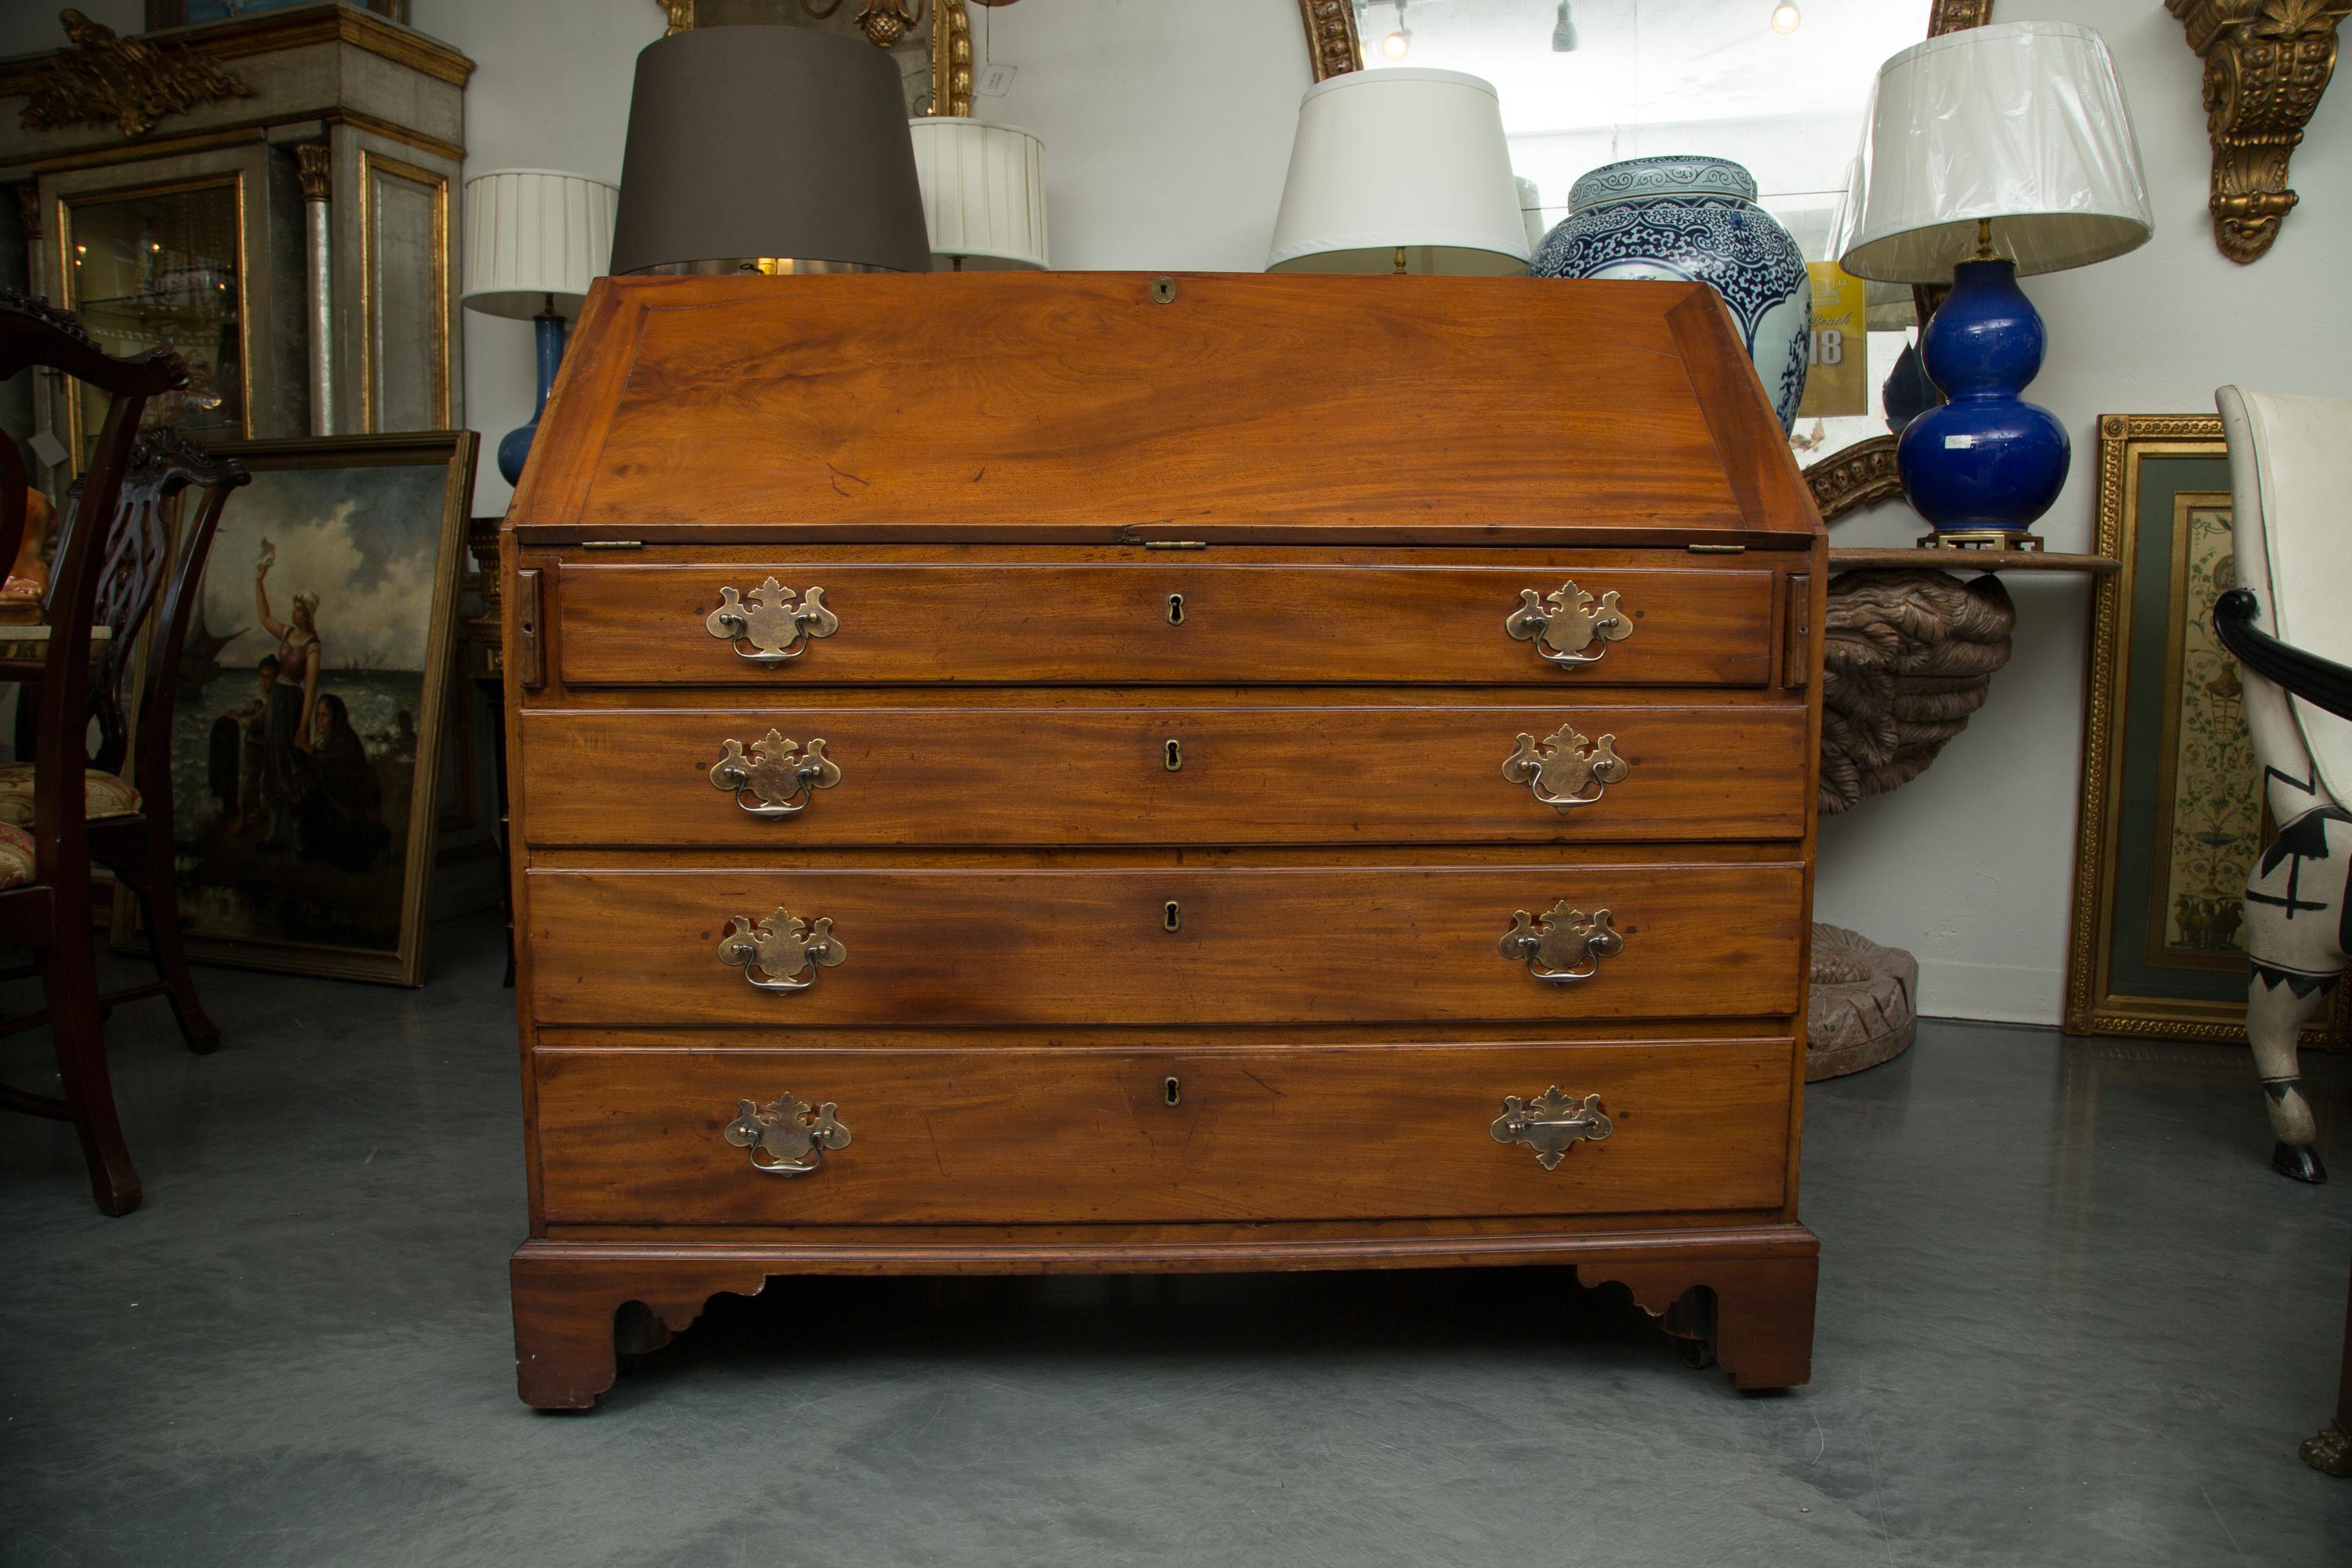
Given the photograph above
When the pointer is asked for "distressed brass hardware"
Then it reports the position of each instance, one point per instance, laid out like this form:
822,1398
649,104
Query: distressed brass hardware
1566,946
531,664
1171,917
777,622
1564,624
778,775
1716,549
1566,769
1170,1091
1175,609
782,947
1163,290
1173,757
1175,544
612,544
792,1133
1551,1123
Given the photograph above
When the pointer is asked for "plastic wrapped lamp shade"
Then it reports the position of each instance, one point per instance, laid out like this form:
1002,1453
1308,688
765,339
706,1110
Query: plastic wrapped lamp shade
754,144
533,236
1389,160
2021,125
983,194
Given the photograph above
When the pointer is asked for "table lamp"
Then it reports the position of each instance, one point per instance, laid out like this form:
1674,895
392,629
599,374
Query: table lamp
768,149
535,238
1400,171
983,194
1990,153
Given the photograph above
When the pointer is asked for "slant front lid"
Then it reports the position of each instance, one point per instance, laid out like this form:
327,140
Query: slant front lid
1124,406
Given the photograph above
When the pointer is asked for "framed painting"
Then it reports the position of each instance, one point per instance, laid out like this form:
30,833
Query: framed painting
312,706
186,13
2171,807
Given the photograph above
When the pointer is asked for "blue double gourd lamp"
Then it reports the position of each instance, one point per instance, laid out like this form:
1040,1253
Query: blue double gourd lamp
535,241
1990,153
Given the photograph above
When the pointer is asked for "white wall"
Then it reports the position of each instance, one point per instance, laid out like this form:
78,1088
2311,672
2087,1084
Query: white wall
1167,130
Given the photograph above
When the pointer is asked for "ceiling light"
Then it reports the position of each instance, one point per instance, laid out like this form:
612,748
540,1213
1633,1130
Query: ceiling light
1399,44
1785,18
1563,32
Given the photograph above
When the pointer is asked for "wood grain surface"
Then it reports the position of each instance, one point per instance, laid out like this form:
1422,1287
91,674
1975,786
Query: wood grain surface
644,626
988,1136
1017,776
1359,945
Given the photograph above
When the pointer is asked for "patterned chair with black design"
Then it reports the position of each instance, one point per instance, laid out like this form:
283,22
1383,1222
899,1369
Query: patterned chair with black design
2290,469
46,905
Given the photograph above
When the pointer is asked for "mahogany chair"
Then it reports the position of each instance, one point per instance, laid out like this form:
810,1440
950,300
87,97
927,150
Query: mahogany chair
45,874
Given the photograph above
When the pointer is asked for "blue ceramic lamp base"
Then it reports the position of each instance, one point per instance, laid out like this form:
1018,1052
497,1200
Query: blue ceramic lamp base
1983,466
550,331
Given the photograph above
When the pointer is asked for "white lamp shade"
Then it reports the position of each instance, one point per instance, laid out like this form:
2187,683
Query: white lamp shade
2023,124
532,234
1396,158
983,193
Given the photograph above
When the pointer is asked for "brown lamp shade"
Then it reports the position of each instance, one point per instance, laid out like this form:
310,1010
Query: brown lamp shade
767,142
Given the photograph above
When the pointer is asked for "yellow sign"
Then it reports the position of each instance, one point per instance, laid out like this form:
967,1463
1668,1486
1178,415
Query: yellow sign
1838,381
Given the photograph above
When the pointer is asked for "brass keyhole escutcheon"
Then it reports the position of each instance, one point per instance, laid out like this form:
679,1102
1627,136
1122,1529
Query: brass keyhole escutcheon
1163,290
1175,609
1171,917
1170,1091
1173,757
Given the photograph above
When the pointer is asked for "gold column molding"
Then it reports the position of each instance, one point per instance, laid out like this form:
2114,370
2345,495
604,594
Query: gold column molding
2267,64
130,81
1331,45
680,16
314,165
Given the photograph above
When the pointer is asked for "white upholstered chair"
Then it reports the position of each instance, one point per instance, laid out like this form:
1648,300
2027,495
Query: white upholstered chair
2289,621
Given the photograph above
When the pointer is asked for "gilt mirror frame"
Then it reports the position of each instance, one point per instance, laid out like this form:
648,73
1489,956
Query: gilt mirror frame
1847,480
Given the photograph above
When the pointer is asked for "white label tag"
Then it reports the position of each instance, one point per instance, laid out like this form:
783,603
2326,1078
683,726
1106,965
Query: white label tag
1958,443
995,78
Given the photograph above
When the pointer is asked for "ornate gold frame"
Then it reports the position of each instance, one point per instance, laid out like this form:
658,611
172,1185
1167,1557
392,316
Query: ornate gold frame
65,202
2125,441
372,165
2267,62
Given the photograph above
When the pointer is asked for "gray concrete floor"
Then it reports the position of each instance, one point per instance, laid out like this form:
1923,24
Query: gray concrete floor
2067,1316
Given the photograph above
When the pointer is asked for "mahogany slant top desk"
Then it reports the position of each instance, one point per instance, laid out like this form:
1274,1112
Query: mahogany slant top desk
1038,771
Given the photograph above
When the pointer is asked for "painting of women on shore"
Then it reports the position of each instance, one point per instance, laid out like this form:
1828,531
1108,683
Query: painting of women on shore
303,760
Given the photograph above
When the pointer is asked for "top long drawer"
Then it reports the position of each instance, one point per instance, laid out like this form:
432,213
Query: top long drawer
1155,622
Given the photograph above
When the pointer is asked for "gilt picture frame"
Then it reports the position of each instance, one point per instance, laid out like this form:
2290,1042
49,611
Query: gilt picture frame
312,707
2171,802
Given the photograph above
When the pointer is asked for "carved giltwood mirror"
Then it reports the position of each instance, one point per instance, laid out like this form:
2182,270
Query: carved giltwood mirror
1780,86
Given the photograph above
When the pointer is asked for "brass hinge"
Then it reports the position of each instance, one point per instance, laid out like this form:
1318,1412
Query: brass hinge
1175,544
1797,662
530,671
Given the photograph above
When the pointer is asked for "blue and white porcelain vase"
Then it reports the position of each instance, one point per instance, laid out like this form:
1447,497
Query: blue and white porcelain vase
1696,219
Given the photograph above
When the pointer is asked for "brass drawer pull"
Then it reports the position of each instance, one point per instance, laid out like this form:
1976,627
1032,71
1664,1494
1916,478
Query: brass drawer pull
1551,1123
778,775
777,622
792,1133
783,947
1564,624
1566,771
1566,947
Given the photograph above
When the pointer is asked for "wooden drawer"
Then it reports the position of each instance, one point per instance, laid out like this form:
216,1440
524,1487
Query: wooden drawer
1160,621
1108,776
1258,944
1002,1136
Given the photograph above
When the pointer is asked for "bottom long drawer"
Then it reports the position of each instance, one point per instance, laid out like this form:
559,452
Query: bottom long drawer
1065,1136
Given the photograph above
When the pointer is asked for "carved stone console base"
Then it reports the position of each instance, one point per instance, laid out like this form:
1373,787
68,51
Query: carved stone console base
1743,1295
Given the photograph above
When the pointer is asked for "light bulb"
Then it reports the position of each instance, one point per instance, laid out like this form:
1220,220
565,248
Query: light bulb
1785,18
1397,45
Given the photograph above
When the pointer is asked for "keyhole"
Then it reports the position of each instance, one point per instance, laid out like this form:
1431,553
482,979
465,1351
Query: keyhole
1170,1091
1175,609
1171,917
1175,755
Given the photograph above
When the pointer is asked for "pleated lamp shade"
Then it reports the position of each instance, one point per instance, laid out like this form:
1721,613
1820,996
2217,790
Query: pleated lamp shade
983,194
533,236
1392,159
2020,125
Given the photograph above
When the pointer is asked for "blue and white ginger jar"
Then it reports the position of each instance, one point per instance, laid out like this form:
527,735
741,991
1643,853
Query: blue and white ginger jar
1696,219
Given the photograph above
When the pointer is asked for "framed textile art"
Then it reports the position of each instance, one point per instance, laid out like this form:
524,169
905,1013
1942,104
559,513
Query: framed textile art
312,706
2172,807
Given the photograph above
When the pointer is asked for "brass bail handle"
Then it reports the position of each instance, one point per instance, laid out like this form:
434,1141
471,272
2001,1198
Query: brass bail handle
1565,947
1551,1123
1566,622
775,621
1565,770
787,1136
783,948
778,776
